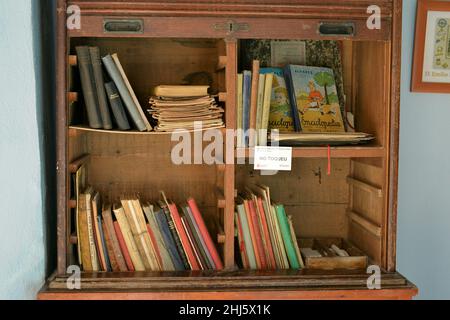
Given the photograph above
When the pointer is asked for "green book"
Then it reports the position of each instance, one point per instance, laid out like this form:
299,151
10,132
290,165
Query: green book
287,238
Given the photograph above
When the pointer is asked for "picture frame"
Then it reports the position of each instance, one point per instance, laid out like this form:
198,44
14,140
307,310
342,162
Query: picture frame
431,65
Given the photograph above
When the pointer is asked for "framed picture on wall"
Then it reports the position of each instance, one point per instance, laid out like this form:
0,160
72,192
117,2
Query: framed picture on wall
431,68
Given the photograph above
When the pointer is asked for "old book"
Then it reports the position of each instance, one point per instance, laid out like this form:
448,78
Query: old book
314,99
123,247
116,73
105,249
265,114
155,247
190,255
239,110
89,87
198,238
135,217
167,264
168,239
96,205
246,98
294,240
241,242
259,107
91,234
175,236
114,247
254,103
110,249
280,114
83,230
247,237
80,186
129,238
117,107
251,227
180,91
265,233
280,241
287,238
196,250
100,88
257,229
205,234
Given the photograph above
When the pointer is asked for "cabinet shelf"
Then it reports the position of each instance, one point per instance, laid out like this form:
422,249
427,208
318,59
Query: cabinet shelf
370,151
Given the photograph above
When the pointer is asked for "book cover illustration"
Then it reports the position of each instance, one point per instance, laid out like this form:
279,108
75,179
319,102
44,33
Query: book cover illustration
314,93
280,116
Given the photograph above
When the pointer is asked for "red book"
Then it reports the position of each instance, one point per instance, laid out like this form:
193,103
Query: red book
155,246
123,247
184,237
258,236
252,233
265,229
205,234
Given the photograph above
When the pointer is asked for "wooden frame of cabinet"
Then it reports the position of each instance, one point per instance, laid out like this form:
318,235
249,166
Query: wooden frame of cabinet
372,170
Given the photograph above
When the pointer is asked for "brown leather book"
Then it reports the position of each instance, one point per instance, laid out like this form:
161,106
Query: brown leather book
254,103
114,246
83,230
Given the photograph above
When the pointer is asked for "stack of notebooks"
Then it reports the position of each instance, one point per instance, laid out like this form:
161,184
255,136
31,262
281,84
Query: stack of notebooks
109,102
133,237
181,107
266,236
293,99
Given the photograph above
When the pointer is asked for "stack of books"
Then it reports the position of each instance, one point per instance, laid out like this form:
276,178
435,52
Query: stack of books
113,95
132,236
181,107
266,236
331,139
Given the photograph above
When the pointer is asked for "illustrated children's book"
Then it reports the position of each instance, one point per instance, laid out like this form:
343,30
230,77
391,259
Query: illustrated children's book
314,99
280,109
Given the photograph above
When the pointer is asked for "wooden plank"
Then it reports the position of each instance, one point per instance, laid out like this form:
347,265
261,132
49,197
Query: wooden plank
366,224
365,186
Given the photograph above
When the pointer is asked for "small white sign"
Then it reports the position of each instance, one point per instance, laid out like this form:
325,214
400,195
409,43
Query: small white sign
273,158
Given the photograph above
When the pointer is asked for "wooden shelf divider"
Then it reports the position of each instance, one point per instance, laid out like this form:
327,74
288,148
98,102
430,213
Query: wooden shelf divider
373,228
365,186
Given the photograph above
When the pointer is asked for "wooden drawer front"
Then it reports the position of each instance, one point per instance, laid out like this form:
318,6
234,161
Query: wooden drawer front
244,28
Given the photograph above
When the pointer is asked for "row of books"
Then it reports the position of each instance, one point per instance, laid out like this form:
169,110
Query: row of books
291,99
131,236
180,107
265,233
123,103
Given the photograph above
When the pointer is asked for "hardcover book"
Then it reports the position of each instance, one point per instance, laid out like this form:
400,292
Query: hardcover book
280,114
314,99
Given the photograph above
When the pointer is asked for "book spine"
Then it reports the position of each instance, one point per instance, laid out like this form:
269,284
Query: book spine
280,243
260,106
254,103
287,239
155,246
169,241
241,242
110,249
91,236
266,109
258,235
179,246
247,237
198,237
246,106
123,247
88,87
105,249
295,241
114,73
251,227
194,246
100,87
239,119
117,107
83,234
183,238
292,98
205,234
118,255
266,235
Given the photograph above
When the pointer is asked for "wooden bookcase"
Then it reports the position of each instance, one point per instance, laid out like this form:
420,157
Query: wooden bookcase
357,202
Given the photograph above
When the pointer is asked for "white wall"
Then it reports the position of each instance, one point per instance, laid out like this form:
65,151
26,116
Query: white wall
22,252
423,252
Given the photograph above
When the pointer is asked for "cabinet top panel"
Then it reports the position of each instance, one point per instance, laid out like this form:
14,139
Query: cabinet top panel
342,9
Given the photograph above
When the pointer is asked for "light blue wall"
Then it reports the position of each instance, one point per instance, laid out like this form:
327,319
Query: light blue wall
22,249
423,252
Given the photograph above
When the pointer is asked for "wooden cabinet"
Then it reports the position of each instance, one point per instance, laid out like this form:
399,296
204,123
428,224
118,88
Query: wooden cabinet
165,42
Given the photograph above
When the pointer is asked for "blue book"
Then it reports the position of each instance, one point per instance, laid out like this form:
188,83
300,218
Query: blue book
168,240
293,98
105,250
247,93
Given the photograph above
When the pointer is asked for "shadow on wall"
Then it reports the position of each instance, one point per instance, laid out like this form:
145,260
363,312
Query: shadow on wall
44,23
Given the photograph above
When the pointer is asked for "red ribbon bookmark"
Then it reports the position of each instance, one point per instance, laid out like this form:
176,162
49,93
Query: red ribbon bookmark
329,160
